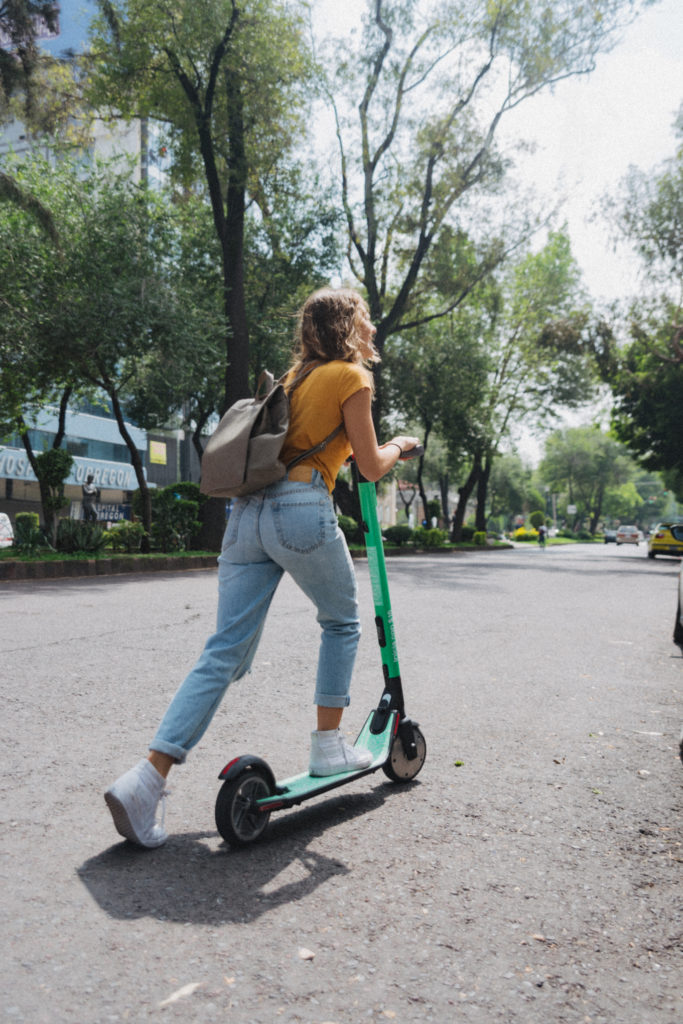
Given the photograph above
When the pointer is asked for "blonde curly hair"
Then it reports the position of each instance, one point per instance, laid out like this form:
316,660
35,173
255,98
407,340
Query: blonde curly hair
328,328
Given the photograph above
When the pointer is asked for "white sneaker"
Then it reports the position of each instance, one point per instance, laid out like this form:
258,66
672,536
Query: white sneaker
331,754
133,801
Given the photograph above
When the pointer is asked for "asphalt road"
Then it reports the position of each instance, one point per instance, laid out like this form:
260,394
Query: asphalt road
530,875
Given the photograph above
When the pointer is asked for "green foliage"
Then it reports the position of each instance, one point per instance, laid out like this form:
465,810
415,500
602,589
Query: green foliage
74,535
399,534
54,466
646,374
522,534
467,533
28,536
126,537
350,528
174,519
229,85
479,538
537,519
429,538
583,464
434,508
20,55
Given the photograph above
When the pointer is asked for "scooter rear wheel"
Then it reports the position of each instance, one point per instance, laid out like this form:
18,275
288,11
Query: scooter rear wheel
398,767
238,819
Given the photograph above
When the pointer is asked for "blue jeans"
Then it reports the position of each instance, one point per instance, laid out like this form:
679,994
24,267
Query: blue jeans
287,527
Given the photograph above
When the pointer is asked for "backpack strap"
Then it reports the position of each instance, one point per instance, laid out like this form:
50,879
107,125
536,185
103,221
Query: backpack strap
317,448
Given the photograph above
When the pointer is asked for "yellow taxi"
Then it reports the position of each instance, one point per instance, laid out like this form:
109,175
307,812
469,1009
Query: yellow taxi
666,539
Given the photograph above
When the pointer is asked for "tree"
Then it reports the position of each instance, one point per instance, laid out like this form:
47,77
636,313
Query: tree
287,254
429,84
435,379
646,373
506,357
509,485
225,79
21,24
31,268
92,314
535,364
584,463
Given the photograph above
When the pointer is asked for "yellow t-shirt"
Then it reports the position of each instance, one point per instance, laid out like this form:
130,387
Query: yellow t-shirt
316,409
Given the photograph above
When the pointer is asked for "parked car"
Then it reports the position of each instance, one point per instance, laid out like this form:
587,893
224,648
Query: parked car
610,536
628,535
6,531
666,539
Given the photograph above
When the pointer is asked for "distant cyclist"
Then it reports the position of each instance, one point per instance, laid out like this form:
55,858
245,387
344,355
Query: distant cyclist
542,531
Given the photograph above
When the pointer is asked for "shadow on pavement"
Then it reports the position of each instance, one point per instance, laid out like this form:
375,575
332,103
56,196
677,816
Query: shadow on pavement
189,881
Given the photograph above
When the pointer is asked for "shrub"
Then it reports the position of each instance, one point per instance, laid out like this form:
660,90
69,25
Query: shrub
537,518
126,536
350,528
467,533
28,536
569,534
480,538
398,535
174,519
433,538
74,535
584,535
524,534
186,489
173,527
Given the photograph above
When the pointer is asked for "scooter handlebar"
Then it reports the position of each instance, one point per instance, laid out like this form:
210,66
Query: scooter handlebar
412,453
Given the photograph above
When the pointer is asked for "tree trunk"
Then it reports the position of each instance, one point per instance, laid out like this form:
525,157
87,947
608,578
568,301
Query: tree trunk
347,500
232,241
464,493
44,489
212,517
423,494
136,462
408,503
232,249
443,491
49,517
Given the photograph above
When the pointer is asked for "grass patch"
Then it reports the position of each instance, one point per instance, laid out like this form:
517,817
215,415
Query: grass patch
48,555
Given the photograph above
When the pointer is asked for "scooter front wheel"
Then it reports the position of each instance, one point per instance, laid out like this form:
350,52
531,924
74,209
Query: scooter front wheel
238,818
400,768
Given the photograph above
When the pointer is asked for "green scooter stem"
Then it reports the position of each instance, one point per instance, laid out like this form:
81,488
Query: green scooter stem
392,698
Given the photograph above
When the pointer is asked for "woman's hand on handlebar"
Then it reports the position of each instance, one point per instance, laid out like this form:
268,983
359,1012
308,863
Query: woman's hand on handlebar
404,443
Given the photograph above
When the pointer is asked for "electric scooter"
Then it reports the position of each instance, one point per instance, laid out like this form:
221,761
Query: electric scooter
250,792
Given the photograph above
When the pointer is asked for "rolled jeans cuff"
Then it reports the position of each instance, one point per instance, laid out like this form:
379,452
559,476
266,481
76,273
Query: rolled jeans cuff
172,749
331,700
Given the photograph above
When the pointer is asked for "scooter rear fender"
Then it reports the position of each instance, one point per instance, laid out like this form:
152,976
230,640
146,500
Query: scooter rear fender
247,763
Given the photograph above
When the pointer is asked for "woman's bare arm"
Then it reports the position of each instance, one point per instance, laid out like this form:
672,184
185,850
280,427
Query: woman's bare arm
373,460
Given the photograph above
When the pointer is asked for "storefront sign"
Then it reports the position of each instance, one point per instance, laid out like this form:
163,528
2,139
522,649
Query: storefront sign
106,512
157,452
14,465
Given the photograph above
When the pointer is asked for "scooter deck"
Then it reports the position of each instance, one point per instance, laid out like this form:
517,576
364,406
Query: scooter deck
301,787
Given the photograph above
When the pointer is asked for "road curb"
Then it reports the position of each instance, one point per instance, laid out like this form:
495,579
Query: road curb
94,567
126,565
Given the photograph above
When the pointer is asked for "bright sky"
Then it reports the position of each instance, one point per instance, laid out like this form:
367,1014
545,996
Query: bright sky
591,129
